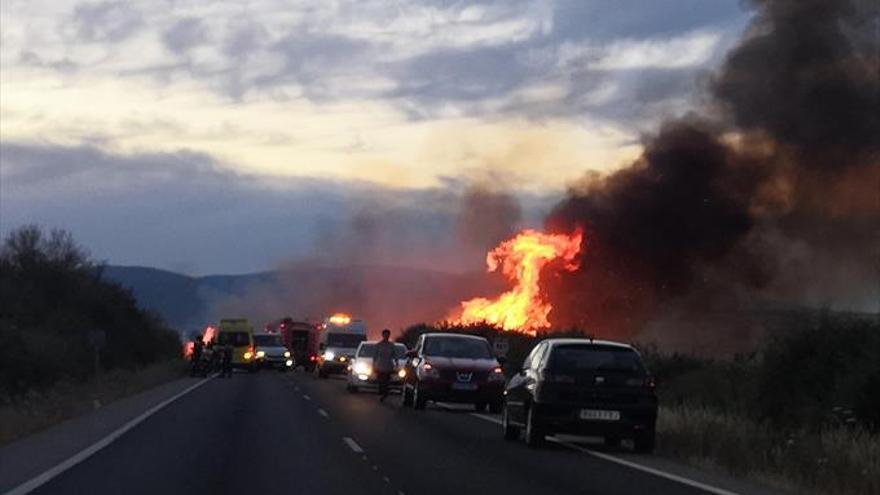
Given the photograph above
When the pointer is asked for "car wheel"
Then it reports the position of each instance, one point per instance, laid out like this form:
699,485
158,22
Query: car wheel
612,441
511,432
480,406
407,396
495,407
351,388
419,399
322,373
535,431
644,441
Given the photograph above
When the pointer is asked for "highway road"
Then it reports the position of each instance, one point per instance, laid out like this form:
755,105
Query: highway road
292,433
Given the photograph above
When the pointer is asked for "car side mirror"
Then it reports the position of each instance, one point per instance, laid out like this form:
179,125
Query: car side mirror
411,353
501,360
321,347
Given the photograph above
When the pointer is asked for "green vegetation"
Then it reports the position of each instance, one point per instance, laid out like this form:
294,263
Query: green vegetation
803,412
55,307
40,408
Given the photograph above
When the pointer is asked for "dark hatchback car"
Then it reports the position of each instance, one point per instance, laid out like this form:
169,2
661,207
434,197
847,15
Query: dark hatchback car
453,368
582,387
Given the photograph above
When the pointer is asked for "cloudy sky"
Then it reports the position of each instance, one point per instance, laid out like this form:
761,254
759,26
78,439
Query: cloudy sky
225,137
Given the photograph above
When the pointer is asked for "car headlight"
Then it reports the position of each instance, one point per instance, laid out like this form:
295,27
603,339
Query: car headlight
289,362
287,354
329,355
248,355
401,373
261,354
362,368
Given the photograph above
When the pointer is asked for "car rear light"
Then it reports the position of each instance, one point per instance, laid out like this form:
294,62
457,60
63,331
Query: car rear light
313,358
429,371
497,374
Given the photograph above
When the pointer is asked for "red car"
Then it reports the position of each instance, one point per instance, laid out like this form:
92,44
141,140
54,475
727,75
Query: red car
453,368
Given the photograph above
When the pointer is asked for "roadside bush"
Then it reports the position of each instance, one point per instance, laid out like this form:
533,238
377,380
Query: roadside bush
52,296
823,374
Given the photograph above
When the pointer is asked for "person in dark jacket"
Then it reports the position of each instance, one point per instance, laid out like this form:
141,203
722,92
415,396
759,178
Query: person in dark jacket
383,363
196,364
227,361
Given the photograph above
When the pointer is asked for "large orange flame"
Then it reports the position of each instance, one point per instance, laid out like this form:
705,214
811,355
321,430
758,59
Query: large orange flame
521,259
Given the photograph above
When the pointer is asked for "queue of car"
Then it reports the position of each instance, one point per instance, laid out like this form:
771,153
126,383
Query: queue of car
565,385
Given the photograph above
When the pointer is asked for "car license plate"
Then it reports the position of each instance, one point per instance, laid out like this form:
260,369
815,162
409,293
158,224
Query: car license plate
599,415
464,386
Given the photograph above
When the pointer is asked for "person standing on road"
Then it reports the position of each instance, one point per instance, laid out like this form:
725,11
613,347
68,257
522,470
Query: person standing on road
196,364
226,371
383,363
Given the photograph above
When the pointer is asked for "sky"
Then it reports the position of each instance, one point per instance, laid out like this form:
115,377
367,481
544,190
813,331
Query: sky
228,137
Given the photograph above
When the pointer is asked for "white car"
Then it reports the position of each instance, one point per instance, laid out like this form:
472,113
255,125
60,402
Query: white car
360,370
271,352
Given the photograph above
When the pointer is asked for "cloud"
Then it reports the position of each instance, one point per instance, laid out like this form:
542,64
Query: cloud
188,210
185,34
106,21
428,59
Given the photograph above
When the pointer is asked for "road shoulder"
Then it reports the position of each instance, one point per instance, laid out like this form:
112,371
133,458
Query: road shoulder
26,458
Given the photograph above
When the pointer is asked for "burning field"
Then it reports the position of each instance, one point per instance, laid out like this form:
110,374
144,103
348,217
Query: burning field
522,260
768,195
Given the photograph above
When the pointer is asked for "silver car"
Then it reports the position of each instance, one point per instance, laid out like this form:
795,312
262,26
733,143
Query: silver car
361,373
271,352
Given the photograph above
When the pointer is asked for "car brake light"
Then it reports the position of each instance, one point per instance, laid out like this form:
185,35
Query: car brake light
498,370
428,366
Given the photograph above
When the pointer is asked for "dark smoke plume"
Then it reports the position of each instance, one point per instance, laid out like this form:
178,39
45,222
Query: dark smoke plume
782,164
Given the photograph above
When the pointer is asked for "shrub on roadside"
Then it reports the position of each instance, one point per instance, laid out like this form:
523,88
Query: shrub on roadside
52,296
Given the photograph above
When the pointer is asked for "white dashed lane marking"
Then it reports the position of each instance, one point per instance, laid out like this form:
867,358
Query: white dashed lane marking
353,445
323,413
306,397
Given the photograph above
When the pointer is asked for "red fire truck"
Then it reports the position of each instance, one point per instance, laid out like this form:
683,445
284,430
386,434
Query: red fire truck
300,338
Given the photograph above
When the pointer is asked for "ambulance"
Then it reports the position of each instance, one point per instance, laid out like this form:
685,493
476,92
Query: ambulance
338,340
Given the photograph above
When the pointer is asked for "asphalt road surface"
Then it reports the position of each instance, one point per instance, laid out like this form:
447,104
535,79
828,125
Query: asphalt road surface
292,433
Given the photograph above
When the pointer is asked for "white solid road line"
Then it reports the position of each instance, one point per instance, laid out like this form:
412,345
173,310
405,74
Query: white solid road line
487,418
624,462
84,454
323,413
640,467
353,445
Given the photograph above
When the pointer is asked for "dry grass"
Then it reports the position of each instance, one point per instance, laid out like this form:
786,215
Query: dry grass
38,410
839,461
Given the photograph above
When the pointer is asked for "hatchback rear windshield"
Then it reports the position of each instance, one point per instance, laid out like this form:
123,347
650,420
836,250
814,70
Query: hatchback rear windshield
268,340
457,347
366,350
236,339
344,339
582,358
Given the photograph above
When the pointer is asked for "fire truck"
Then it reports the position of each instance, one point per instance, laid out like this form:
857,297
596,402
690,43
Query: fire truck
300,338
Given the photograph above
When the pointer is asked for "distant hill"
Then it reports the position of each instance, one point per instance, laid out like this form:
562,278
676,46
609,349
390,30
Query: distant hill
385,296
